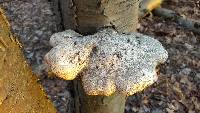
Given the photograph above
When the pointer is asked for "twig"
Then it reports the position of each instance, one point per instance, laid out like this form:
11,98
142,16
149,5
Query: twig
191,24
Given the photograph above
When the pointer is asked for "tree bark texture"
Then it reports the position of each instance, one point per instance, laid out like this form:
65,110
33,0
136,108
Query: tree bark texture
19,90
86,16
97,104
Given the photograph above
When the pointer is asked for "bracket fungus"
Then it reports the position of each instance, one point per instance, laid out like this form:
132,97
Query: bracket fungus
108,61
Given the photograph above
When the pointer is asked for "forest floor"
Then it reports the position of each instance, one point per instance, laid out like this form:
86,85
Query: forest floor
178,87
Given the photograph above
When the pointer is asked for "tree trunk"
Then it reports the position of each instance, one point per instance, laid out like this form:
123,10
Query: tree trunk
19,90
86,17
97,104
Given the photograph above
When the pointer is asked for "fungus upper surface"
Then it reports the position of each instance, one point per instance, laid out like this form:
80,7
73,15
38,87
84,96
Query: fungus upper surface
109,61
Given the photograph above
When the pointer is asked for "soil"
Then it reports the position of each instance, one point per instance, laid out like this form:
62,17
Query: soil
176,91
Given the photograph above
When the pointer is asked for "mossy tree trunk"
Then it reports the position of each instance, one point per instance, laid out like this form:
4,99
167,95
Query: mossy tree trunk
86,17
19,90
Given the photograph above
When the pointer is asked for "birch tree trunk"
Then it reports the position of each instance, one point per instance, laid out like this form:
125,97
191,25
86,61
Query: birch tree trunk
86,17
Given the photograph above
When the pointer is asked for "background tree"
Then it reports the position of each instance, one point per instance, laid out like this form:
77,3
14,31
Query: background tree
19,90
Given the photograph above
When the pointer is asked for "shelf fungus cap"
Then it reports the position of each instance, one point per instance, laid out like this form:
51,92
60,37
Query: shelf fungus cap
114,62
62,37
66,59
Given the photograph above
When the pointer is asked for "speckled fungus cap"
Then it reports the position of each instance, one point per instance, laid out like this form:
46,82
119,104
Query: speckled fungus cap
109,61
